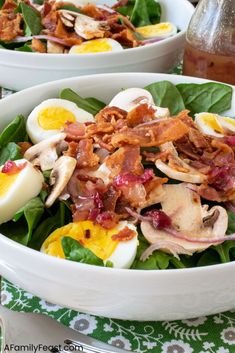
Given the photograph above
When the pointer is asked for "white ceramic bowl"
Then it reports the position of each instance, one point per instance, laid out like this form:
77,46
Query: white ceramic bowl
20,70
125,294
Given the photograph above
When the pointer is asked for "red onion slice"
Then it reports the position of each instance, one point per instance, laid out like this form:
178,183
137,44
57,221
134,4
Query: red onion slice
172,247
40,36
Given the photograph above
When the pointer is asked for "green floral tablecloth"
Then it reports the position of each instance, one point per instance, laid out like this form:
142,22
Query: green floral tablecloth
213,334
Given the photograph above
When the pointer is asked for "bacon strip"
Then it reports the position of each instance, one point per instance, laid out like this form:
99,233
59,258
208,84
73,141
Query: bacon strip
157,134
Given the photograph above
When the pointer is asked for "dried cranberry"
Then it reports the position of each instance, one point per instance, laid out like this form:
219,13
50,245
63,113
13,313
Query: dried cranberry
230,140
159,218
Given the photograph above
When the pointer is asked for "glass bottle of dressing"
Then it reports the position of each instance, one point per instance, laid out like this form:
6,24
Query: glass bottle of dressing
210,48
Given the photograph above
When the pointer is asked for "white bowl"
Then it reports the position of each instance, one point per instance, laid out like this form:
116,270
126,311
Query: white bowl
20,70
124,294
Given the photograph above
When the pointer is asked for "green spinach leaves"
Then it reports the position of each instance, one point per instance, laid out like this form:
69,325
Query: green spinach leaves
75,252
91,105
142,12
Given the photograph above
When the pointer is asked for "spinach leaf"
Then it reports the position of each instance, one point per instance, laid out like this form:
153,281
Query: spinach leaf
224,250
10,151
208,97
158,260
25,48
1,3
142,12
24,222
32,19
166,95
69,8
91,105
208,258
50,222
231,223
145,12
75,252
14,132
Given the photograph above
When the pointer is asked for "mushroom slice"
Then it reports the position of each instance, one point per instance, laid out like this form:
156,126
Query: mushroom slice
54,48
190,218
88,28
185,172
60,176
44,153
131,98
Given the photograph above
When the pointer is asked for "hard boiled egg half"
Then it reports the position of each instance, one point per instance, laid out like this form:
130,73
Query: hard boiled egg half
161,30
131,98
19,183
96,46
97,239
50,117
215,125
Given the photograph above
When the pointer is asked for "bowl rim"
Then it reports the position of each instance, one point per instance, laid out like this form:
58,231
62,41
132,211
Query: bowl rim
166,41
54,261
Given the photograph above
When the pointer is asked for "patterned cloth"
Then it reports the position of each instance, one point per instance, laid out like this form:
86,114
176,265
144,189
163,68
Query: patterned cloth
213,334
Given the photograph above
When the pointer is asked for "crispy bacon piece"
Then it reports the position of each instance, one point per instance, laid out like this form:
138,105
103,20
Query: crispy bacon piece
38,46
155,134
24,146
10,25
75,131
125,234
141,114
9,5
110,198
50,17
86,158
126,159
110,115
70,39
92,11
126,38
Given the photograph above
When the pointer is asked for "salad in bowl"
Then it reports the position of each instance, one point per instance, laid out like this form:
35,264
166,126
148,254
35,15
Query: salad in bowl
80,27
142,181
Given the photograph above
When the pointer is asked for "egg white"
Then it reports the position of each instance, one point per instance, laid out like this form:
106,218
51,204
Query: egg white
37,133
94,46
26,186
125,252
213,127
122,256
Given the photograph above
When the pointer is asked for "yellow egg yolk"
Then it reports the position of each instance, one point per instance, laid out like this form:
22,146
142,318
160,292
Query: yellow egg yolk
6,181
211,121
155,30
54,118
93,46
229,121
94,237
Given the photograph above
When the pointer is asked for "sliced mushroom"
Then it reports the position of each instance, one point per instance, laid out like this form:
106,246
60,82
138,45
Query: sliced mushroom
54,48
188,217
44,153
130,98
155,196
87,28
60,176
184,172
